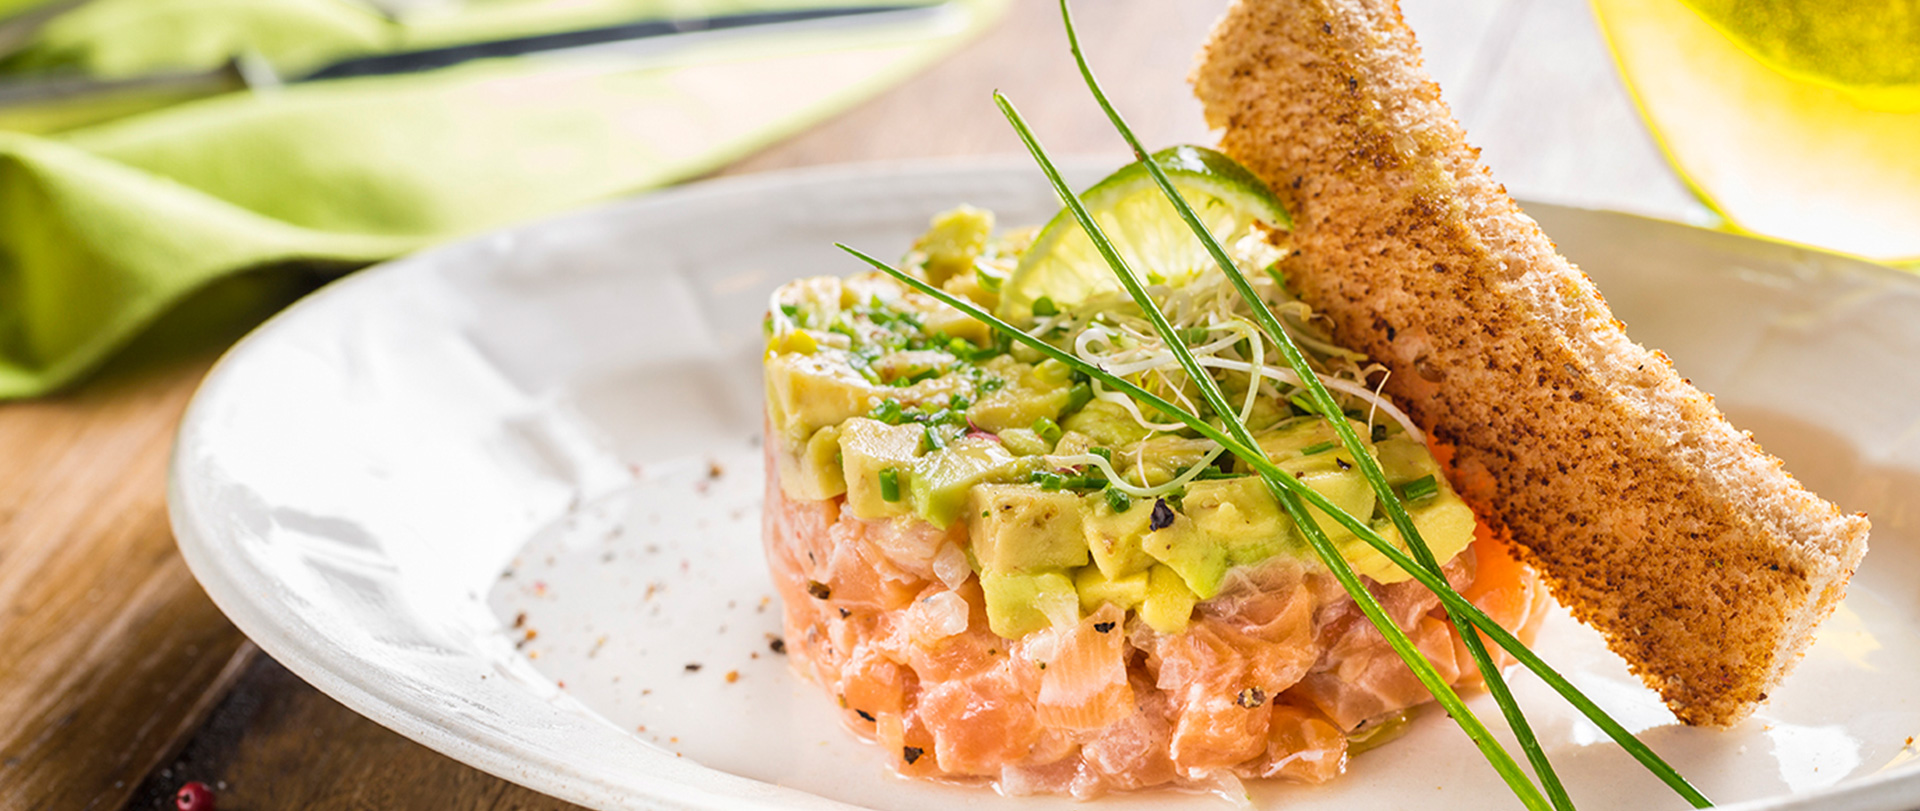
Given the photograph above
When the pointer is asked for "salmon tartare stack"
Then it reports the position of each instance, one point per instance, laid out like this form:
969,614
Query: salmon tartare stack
1004,572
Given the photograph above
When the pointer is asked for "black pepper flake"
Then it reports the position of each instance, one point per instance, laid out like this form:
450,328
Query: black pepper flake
911,753
1344,464
1103,627
1162,515
693,667
845,613
777,645
866,715
1251,697
819,590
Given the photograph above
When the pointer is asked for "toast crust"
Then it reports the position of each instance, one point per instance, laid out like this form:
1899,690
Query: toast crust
1704,563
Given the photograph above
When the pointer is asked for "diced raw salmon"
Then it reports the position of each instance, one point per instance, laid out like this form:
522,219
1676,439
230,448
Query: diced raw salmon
1266,681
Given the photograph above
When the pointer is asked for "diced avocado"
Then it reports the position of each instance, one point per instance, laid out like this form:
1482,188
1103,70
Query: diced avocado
1240,515
1096,589
871,451
1201,560
1159,459
1402,460
814,473
1169,603
1293,439
815,302
808,392
1347,489
942,480
1032,392
955,238
1020,527
1025,442
1113,538
1109,424
915,365
1445,522
1021,603
1073,443
944,320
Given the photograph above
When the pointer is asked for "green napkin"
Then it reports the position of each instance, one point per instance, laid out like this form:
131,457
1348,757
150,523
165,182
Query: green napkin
102,229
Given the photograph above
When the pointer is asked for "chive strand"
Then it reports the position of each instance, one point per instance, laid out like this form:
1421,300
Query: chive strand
1210,390
1369,467
1270,472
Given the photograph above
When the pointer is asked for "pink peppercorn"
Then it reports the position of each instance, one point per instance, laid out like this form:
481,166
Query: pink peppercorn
194,796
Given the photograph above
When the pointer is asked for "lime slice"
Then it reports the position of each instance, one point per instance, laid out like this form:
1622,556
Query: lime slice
1064,267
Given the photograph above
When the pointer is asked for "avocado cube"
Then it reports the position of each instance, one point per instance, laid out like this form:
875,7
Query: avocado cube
1024,442
1445,523
953,240
1109,424
1031,392
1021,603
1169,603
1096,589
814,473
1241,515
943,480
1200,559
871,451
1113,538
1402,460
1019,528
808,392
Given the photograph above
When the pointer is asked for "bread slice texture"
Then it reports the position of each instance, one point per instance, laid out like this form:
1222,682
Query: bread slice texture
1702,561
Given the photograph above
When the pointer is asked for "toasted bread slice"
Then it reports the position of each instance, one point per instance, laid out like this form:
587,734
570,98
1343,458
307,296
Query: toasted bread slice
1699,557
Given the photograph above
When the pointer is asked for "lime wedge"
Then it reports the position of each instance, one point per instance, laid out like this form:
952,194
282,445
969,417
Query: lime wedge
1063,267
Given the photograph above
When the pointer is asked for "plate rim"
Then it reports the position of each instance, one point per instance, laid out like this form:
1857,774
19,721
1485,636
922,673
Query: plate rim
256,618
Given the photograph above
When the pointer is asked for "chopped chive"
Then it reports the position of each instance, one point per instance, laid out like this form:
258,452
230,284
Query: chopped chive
1273,269
1303,405
1323,447
1078,397
1044,306
931,440
1118,501
1422,488
889,484
1102,453
990,279
1047,480
1047,429
790,311
888,411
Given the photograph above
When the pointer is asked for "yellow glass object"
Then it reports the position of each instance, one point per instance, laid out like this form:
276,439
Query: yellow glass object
1794,120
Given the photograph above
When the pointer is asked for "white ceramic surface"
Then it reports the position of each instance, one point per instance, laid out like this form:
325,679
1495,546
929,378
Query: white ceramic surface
503,496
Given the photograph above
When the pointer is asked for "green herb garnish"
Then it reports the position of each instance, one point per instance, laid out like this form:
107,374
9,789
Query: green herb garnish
889,484
1422,488
1047,429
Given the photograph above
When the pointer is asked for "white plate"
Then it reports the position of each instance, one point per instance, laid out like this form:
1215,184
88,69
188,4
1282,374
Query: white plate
559,421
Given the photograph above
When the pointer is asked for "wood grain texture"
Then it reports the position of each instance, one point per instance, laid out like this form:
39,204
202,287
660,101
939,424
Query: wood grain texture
113,652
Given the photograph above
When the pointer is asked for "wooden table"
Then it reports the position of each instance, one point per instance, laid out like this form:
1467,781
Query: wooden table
119,680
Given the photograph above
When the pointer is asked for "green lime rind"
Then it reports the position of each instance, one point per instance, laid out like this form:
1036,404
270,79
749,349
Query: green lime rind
1063,266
